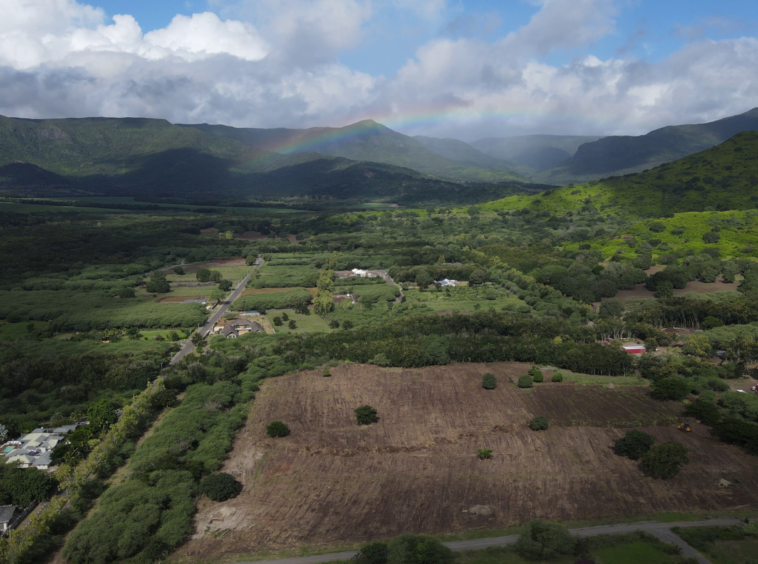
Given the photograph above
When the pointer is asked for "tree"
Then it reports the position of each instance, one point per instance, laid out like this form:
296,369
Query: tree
538,423
525,381
102,415
664,461
127,293
292,324
374,553
365,415
611,308
711,237
698,346
537,375
158,283
543,540
322,303
703,411
179,270
423,279
203,275
334,324
220,486
347,324
489,382
277,429
285,317
557,377
484,453
664,289
477,277
225,285
215,276
634,444
671,388
710,322
30,485
277,321
418,549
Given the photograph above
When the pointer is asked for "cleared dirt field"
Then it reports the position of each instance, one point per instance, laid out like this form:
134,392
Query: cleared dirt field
332,481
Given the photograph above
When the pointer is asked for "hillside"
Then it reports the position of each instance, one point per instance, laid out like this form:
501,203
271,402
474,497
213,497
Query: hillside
464,153
146,157
363,141
533,153
616,155
724,177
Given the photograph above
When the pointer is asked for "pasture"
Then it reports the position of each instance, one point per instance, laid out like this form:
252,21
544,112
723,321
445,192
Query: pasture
332,481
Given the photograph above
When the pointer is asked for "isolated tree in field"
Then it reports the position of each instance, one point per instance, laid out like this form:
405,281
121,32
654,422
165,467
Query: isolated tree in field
220,486
203,275
664,461
292,324
285,317
557,377
365,415
477,277
418,549
634,444
217,294
538,423
277,429
537,375
158,283
277,321
484,453
525,381
179,270
225,285
423,279
489,382
543,540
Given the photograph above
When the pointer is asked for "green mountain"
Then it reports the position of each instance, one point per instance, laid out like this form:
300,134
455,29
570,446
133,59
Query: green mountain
721,178
364,141
616,155
463,153
148,157
533,153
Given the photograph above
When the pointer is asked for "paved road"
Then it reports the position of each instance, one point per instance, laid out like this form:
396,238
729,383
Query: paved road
205,329
660,530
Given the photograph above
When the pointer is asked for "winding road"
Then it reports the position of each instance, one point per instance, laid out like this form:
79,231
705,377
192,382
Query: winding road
661,530
205,329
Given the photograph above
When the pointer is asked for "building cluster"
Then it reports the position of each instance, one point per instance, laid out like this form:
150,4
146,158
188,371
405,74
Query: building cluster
34,449
233,328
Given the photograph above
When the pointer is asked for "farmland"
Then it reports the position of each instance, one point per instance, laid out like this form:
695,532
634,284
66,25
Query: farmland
332,481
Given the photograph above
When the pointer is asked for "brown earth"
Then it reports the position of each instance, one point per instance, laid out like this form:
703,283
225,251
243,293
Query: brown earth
333,481
696,287
263,290
250,236
193,268
174,299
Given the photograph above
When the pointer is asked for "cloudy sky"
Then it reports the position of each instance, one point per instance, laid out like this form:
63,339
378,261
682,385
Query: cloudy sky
445,68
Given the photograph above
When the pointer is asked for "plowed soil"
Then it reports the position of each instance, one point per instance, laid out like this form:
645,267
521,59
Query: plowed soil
333,481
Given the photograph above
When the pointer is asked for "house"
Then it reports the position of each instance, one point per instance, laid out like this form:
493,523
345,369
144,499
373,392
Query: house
634,349
363,273
447,282
236,327
230,332
7,515
33,450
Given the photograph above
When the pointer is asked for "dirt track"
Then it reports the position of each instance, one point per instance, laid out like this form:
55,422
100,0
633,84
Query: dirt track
417,469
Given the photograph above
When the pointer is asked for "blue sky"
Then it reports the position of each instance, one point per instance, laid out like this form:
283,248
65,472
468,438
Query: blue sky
436,67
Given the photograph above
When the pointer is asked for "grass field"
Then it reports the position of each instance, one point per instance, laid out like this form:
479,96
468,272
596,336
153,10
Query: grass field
734,552
633,553
333,482
463,299
305,323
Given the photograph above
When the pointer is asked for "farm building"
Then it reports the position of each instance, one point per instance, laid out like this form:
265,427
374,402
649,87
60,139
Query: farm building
634,349
236,327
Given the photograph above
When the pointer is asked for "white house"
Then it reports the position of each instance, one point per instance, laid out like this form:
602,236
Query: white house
447,282
7,514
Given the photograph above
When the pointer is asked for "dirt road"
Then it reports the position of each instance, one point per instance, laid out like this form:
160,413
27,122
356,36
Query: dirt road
661,530
205,329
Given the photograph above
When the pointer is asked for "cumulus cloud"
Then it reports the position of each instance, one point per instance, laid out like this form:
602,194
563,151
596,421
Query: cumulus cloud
276,64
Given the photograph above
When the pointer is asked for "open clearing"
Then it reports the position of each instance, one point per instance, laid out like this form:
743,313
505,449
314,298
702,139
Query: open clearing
332,481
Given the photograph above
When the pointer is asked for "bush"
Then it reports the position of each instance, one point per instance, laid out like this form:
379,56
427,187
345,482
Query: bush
525,381
292,324
543,540
611,308
672,388
418,549
489,382
220,487
277,429
634,444
538,377
277,321
203,275
538,423
664,461
710,322
325,373
657,227
365,415
484,453
703,411
225,285
179,270
334,324
557,377
374,553
127,293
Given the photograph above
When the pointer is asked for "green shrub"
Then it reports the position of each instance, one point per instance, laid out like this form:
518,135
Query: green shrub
325,373
665,460
543,540
203,275
374,553
710,322
277,429
484,453
365,415
277,321
179,270
127,293
489,382
634,444
538,423
657,227
703,411
672,388
220,487
418,549
292,324
525,381
557,377
538,377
